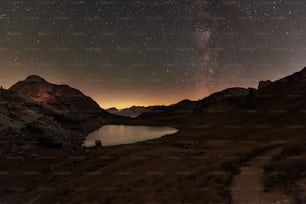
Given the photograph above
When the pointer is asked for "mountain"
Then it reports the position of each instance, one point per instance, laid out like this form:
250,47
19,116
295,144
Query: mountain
294,84
24,123
226,98
35,111
186,107
280,102
113,110
61,97
131,112
65,100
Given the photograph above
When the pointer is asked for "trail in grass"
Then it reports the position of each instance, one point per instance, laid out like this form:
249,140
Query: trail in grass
247,187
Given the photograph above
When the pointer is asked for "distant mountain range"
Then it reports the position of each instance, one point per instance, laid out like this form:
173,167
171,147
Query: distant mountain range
132,112
286,95
35,111
182,107
185,106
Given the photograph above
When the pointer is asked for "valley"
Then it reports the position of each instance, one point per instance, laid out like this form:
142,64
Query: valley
195,165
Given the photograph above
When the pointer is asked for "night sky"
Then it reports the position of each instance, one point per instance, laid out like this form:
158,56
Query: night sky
145,52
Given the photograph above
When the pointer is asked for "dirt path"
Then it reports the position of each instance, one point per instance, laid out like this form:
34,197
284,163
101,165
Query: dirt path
247,187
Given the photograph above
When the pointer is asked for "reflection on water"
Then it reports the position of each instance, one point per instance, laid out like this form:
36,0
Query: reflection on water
124,134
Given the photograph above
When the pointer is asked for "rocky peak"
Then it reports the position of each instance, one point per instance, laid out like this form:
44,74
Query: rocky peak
61,97
34,78
263,84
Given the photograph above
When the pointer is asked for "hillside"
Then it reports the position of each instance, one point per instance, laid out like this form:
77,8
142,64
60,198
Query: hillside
24,123
66,100
35,112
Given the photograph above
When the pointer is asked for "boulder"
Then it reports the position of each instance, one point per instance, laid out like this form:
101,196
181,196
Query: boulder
98,143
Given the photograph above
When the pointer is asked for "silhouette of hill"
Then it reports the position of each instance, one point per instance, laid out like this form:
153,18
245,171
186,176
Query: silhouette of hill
35,111
66,100
61,97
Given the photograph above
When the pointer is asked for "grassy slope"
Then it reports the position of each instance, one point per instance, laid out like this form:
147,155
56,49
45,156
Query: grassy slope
194,165
287,170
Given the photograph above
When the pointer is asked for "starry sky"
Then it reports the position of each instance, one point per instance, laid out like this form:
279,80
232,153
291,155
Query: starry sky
149,52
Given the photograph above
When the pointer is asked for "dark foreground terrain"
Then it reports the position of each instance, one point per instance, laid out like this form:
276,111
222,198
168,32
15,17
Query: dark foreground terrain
195,165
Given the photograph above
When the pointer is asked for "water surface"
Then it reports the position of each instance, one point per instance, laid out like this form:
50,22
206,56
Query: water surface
111,135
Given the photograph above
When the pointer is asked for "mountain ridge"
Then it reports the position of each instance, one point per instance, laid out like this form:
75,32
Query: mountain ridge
57,115
73,113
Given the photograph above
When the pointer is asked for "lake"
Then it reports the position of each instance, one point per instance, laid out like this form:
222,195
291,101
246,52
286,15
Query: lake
111,135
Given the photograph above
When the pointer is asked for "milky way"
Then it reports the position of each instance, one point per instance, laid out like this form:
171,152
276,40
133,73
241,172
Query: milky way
151,52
